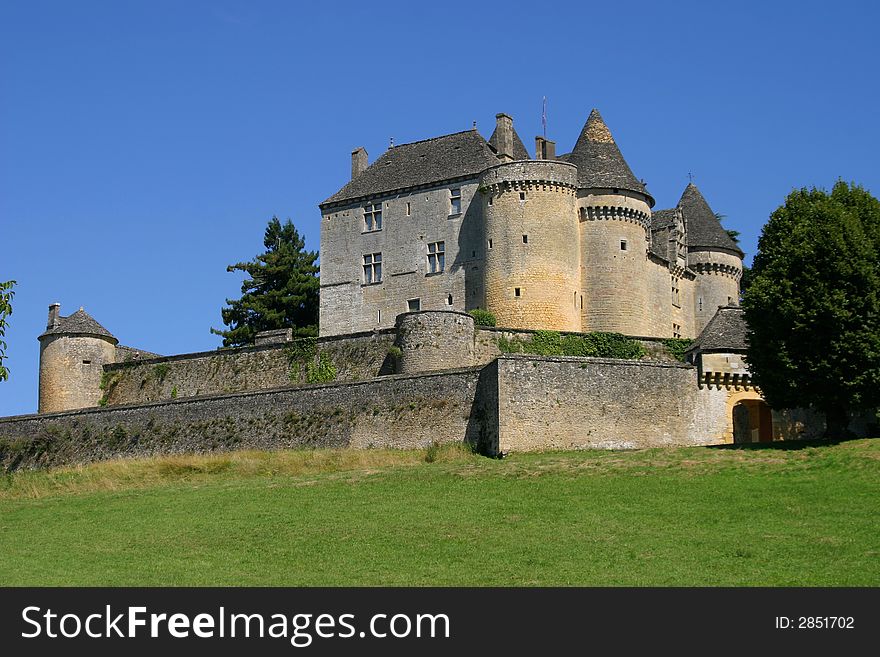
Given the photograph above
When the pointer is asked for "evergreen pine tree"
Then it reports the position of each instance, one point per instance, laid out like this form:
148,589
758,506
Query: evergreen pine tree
281,290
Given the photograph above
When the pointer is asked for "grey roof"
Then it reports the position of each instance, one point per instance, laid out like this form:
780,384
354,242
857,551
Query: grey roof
726,331
519,150
702,226
458,155
79,323
661,219
599,160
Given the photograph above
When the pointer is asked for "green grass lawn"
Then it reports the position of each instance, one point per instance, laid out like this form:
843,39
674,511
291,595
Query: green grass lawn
684,517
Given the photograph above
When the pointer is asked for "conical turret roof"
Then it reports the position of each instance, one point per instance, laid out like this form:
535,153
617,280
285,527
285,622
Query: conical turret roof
79,323
599,160
703,228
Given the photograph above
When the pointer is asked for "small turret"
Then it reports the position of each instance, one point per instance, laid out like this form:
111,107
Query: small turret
712,254
614,209
73,352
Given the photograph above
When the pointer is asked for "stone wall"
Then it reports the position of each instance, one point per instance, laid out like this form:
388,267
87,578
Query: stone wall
410,222
394,411
348,358
717,283
532,270
71,370
431,340
574,403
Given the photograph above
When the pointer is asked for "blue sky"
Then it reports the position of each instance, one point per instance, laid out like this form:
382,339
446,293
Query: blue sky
145,145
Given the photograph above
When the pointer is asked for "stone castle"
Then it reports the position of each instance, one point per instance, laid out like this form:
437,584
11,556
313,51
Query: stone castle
567,243
430,230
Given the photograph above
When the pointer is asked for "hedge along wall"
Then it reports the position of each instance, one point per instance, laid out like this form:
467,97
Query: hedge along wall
394,411
350,358
490,343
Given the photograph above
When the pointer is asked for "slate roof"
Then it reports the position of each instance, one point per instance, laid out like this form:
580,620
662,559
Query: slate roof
661,219
519,150
726,331
80,323
599,160
458,155
702,226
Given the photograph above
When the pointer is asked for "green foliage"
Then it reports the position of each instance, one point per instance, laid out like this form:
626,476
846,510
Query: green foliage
813,306
174,392
395,352
677,347
299,354
6,294
322,371
432,452
482,317
597,345
108,383
161,371
305,358
281,290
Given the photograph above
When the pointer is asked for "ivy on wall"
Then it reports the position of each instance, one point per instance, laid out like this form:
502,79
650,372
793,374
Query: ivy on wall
597,345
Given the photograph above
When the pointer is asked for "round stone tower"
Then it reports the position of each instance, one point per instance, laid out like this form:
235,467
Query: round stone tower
614,210
713,254
531,274
434,340
73,351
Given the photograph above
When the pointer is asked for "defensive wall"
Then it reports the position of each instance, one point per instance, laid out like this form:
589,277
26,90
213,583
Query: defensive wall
394,411
515,403
324,360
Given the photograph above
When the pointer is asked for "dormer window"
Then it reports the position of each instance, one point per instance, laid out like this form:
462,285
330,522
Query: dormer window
372,217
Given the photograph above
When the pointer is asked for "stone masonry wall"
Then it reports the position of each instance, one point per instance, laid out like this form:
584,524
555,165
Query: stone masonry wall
574,403
410,222
394,411
351,358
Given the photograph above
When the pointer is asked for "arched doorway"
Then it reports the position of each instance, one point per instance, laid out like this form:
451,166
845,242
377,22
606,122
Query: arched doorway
752,422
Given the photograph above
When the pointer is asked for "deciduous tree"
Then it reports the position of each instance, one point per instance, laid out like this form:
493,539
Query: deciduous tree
813,305
6,294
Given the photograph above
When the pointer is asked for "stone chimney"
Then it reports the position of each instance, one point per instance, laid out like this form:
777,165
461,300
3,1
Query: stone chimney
359,162
54,318
504,137
545,149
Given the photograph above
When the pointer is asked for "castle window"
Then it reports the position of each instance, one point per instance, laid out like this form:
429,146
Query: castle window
372,268
87,362
408,209
623,245
582,302
455,201
414,305
490,199
525,239
449,300
378,316
676,298
373,217
522,196
436,257
700,304
517,292
676,330
490,244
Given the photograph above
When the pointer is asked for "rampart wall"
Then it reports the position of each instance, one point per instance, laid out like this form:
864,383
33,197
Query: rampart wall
349,358
393,411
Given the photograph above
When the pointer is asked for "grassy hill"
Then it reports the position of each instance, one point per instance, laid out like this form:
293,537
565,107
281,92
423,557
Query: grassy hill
691,516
